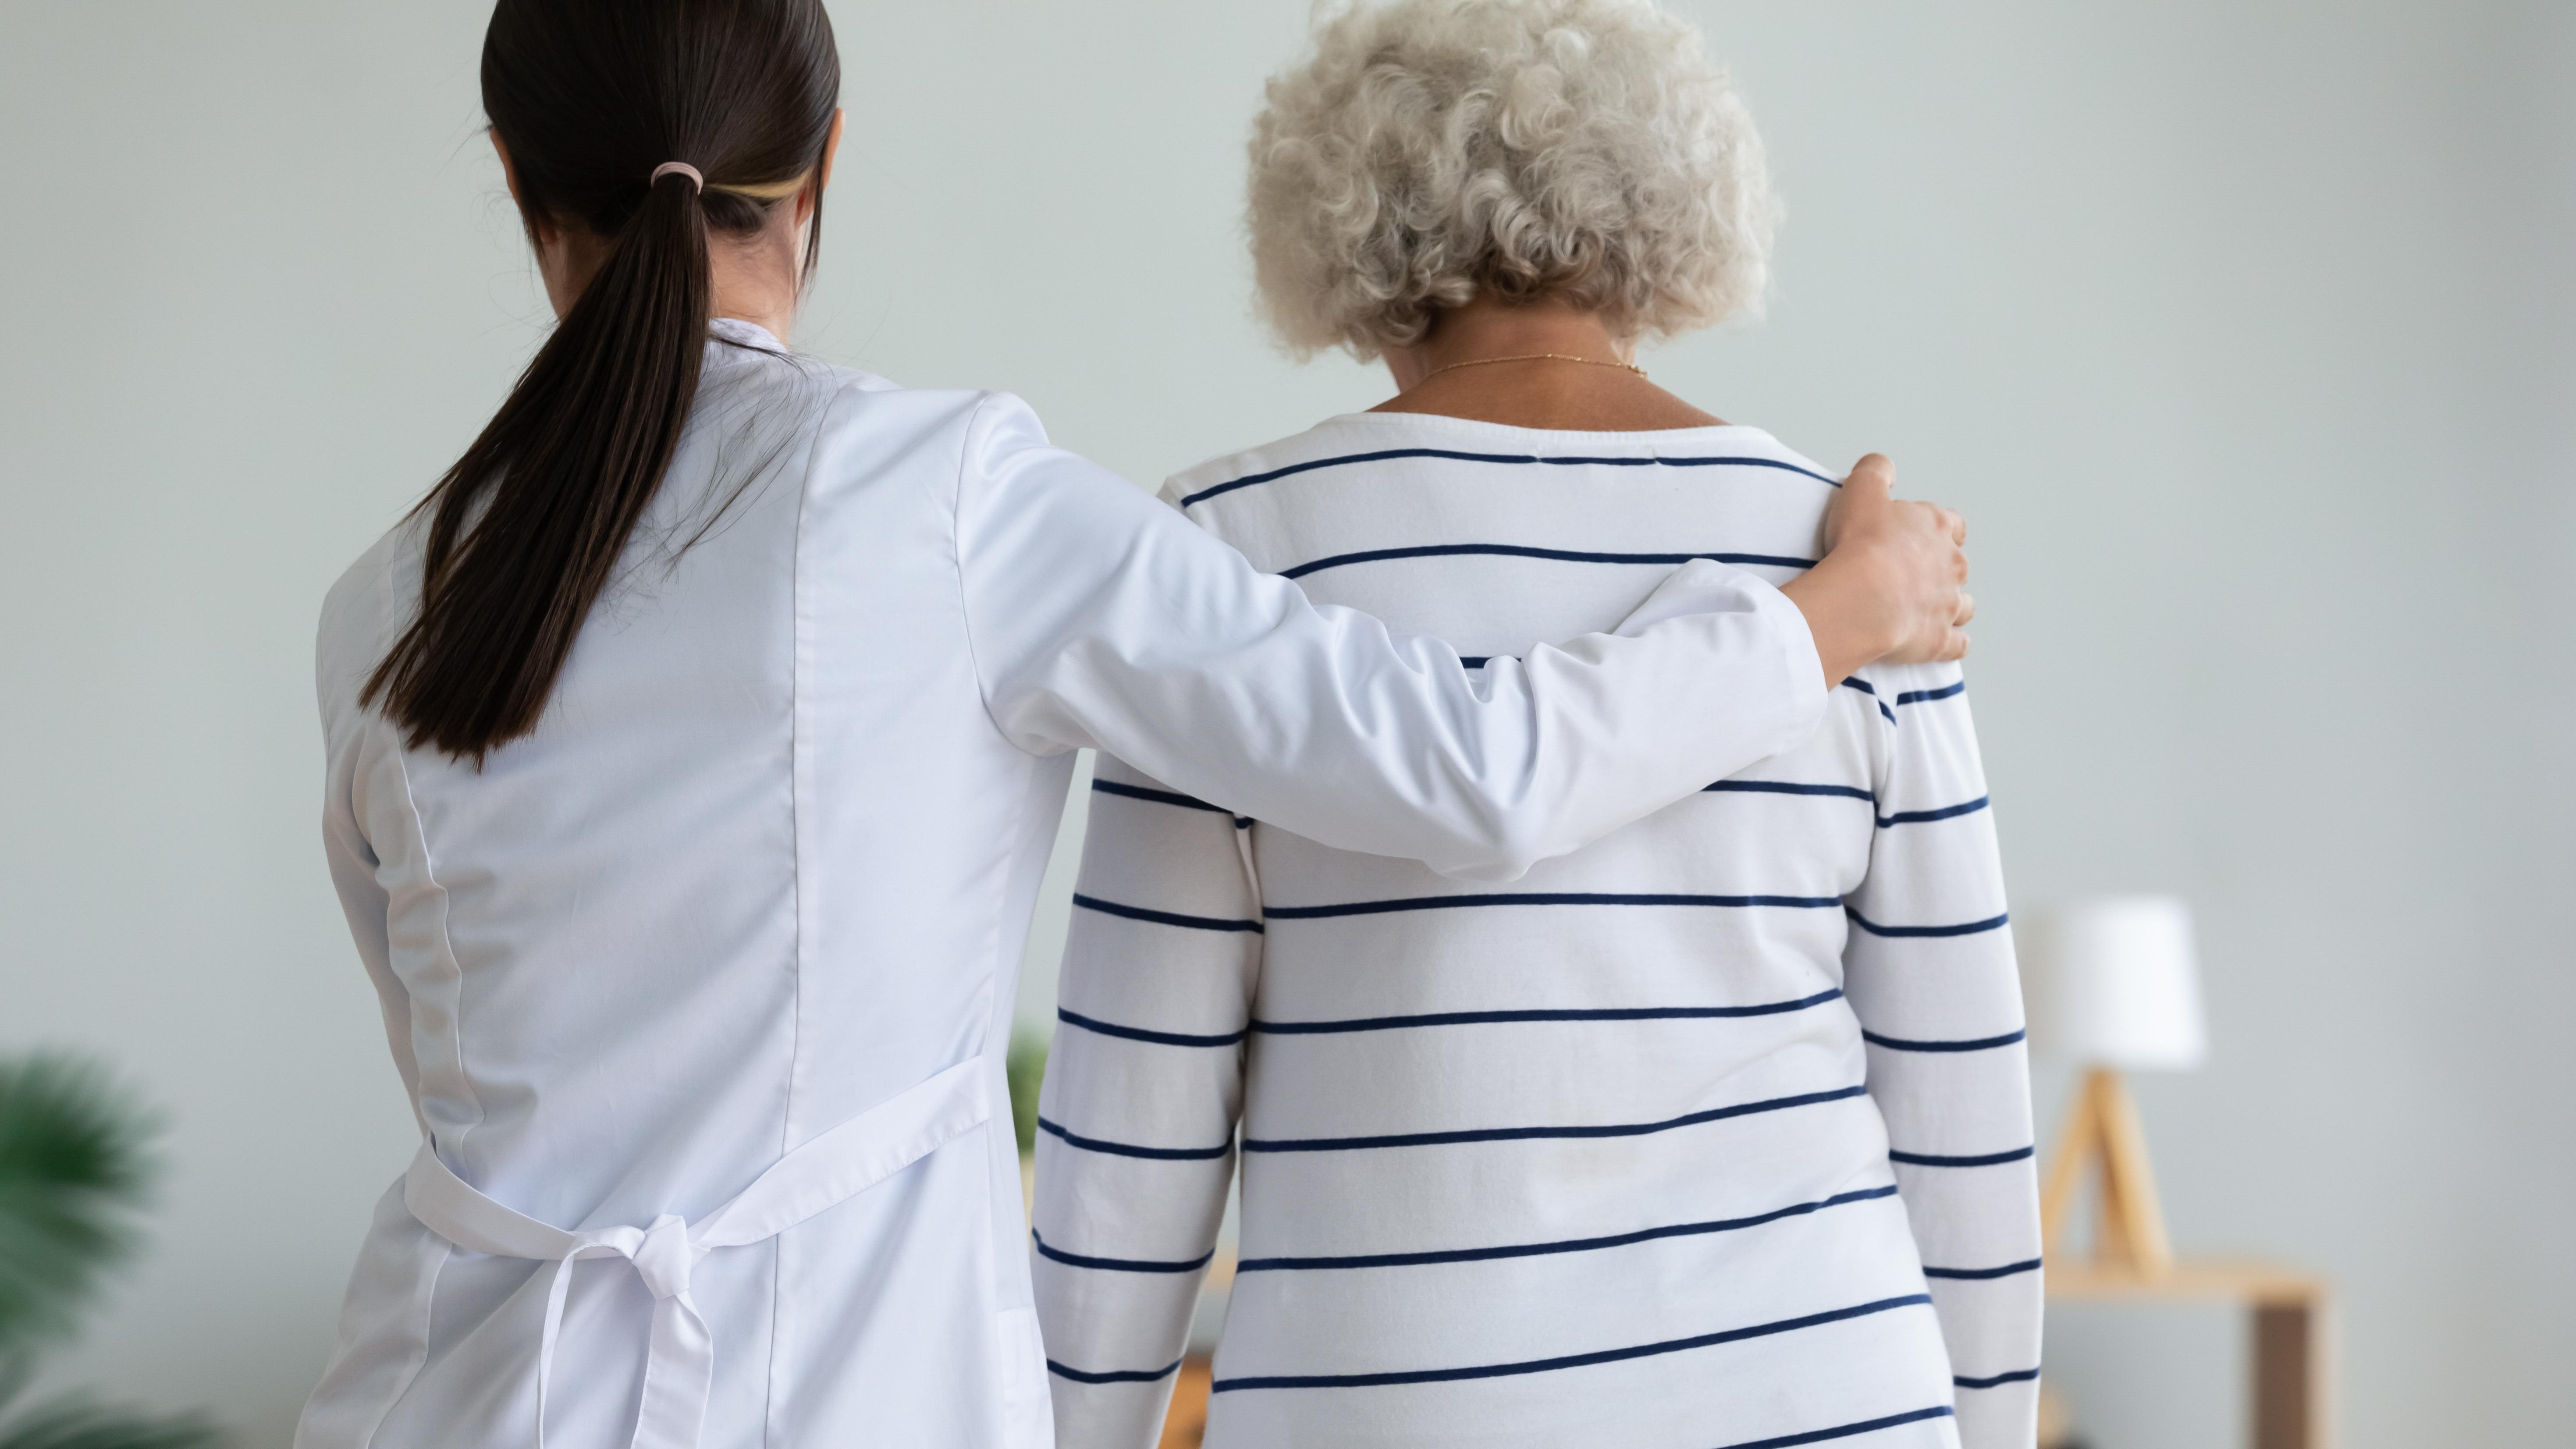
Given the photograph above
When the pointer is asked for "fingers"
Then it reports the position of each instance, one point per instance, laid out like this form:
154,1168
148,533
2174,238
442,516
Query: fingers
1871,484
1916,551
1945,647
1873,471
1950,525
1865,494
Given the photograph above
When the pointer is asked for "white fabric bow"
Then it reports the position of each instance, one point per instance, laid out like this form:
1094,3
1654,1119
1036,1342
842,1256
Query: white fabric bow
680,1363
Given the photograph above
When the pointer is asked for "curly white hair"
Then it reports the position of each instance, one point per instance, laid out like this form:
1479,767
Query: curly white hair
1429,150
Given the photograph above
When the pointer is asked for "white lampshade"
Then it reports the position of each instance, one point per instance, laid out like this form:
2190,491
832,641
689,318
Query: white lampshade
2113,982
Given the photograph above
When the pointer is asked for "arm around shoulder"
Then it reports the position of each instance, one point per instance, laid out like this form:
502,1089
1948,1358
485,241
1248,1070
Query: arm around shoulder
1101,618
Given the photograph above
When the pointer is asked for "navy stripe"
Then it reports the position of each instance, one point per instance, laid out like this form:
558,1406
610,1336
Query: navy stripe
1991,1159
2017,1376
1387,455
1126,1376
1128,1149
1970,928
1559,555
1925,696
1784,787
1569,1245
1163,918
1485,1018
1138,1033
1475,661
1730,462
1119,1265
1946,812
1522,1134
1391,454
2008,1270
1537,898
1159,797
1845,1431
1978,1044
1863,686
1574,1360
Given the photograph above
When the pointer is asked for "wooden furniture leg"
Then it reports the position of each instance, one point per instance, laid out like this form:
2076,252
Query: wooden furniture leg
1185,1423
2289,1375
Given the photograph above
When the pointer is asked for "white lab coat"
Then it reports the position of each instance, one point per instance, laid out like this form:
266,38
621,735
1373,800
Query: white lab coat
700,991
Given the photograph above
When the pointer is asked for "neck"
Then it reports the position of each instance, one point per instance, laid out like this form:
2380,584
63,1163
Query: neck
1549,393
756,278
1488,328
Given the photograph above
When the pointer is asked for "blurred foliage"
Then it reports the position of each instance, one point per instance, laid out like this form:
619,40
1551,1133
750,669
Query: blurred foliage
74,1167
1027,1066
75,1424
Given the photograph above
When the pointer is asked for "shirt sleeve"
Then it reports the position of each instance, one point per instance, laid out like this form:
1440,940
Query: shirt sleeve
1929,969
1101,618
1137,1120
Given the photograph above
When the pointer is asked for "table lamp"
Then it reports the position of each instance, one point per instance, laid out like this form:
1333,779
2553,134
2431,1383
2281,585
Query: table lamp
2112,985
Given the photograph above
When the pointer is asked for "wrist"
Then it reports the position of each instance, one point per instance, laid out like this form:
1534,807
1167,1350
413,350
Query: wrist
1845,618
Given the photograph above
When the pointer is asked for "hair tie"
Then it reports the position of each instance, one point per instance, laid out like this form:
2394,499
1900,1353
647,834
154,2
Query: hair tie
679,168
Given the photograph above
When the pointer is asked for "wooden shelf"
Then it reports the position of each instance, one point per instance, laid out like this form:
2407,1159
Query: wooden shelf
2291,1346
2242,1282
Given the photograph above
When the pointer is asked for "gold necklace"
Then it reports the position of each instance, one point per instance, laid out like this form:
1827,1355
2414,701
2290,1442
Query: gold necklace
1533,357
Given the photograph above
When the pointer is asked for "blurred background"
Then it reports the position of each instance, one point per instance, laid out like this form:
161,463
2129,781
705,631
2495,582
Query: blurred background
2244,333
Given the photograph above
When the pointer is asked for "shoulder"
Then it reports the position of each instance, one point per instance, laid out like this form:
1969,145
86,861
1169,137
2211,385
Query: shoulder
1356,438
872,432
980,459
1758,448
1221,493
1333,440
853,411
363,612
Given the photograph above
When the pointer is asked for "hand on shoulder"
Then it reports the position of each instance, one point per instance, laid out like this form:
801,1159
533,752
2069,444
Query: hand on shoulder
1893,582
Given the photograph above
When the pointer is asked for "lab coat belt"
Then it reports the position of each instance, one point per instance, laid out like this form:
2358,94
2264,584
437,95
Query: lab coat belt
679,1366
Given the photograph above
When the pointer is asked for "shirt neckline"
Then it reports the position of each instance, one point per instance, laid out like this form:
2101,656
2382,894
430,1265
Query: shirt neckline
745,334
1443,422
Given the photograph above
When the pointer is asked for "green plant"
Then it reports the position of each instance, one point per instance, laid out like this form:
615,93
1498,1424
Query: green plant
74,1167
1026,1066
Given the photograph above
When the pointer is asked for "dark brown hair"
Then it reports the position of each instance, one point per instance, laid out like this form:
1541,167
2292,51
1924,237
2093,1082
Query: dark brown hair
589,96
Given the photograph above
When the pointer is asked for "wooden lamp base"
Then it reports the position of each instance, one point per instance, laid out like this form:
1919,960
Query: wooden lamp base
2104,1127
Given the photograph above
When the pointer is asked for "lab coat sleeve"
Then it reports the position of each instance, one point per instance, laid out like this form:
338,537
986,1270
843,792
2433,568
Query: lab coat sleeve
352,752
1101,618
1928,967
1136,1126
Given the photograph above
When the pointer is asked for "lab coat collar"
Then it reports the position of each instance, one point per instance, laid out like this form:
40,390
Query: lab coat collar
745,334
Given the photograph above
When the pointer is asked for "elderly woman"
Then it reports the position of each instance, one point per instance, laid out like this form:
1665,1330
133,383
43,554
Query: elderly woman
1715,1132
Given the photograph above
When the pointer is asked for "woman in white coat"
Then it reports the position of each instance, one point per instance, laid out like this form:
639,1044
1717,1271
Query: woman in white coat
694,751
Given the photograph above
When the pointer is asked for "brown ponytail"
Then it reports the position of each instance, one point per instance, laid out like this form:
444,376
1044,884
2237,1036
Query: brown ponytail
589,97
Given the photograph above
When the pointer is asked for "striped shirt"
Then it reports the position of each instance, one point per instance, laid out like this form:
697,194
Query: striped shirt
1713,1133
